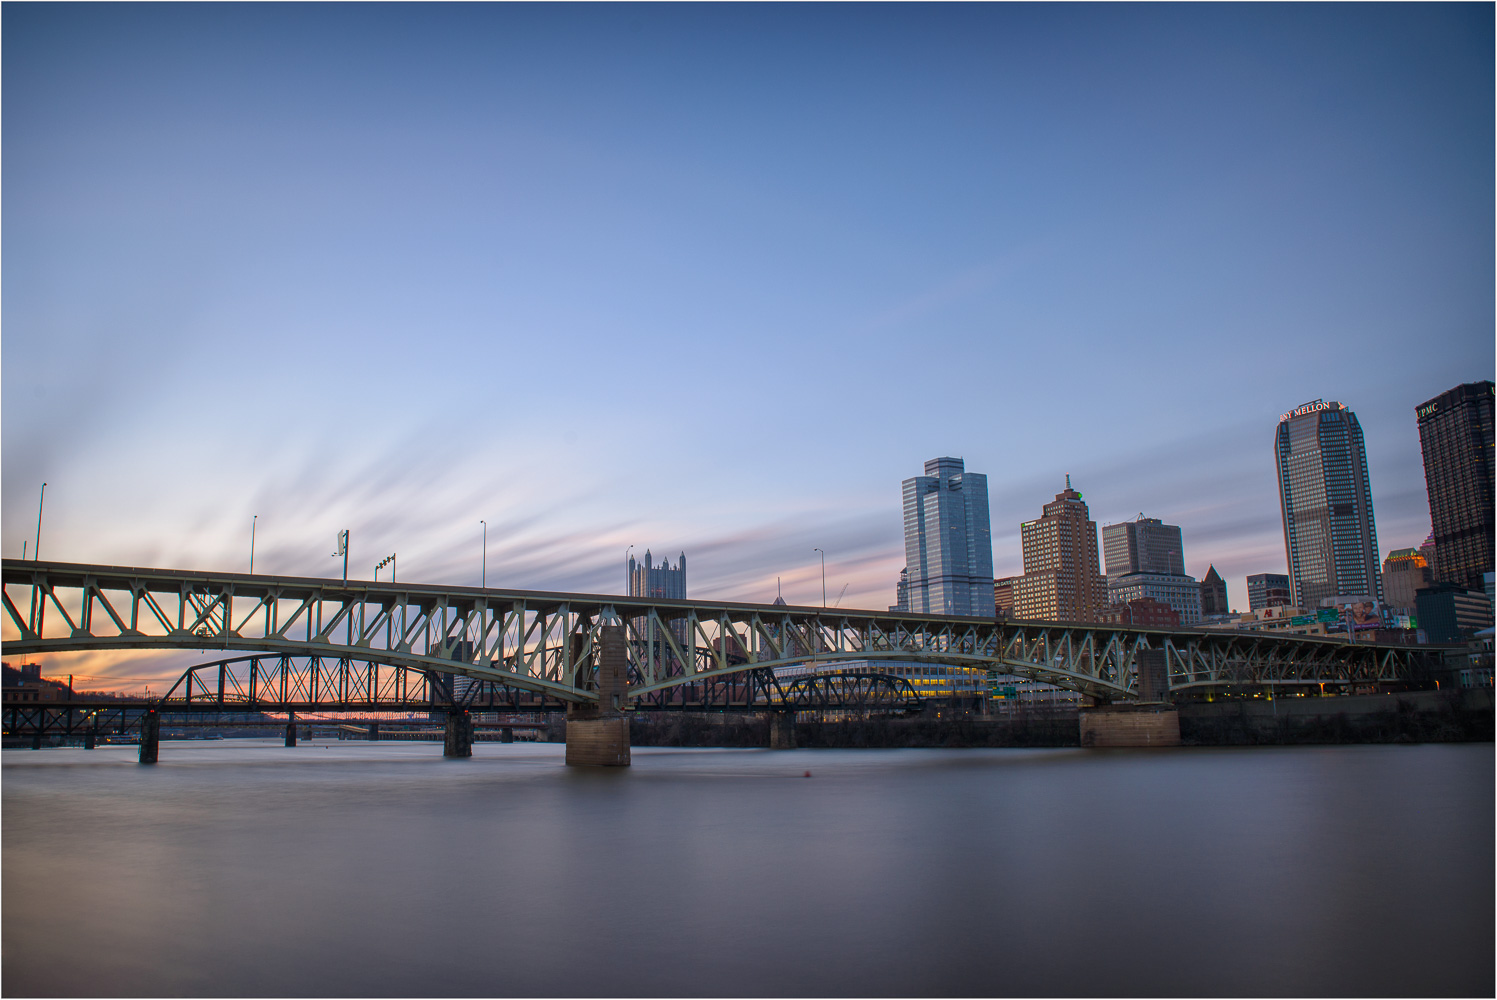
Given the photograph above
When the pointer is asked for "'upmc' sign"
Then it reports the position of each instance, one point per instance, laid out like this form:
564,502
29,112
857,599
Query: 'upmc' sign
1314,407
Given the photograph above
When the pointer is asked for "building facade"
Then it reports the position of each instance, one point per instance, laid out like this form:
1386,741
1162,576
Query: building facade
1325,497
1062,578
1213,593
1146,558
1143,545
1181,593
1455,435
1405,571
1268,590
1142,612
948,542
649,580
1004,591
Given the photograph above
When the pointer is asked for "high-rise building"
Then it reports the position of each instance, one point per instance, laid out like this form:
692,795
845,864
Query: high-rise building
1268,590
1330,539
648,580
1213,593
948,542
1143,545
1146,558
1405,572
1062,580
1455,434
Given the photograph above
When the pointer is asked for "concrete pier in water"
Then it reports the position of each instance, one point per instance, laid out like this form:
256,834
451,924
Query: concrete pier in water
599,736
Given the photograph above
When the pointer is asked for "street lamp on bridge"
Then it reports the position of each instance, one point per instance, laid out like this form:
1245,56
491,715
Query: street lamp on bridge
484,579
823,576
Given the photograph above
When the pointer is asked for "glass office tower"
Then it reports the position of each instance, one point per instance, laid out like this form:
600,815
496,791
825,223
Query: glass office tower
1455,434
1330,540
948,542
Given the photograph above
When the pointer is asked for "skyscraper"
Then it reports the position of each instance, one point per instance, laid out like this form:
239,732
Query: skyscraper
1455,434
1330,540
647,580
948,542
1061,580
1145,558
1143,545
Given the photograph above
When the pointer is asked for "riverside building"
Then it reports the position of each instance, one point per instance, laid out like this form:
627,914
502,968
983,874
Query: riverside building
948,542
1455,435
1330,539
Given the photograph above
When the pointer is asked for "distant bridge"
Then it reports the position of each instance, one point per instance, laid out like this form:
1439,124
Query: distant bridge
541,644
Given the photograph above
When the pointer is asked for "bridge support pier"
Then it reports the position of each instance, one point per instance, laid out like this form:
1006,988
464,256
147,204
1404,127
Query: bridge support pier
600,736
374,732
459,736
91,738
150,737
507,735
782,731
291,729
1145,725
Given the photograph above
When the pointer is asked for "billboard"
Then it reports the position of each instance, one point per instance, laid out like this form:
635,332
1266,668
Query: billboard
1362,615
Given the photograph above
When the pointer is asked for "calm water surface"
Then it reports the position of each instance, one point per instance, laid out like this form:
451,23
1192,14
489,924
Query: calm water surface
246,868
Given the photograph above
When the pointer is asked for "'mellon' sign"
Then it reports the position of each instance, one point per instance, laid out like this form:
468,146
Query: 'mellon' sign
1314,407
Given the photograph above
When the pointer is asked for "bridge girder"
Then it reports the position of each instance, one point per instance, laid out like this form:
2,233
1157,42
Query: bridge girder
542,642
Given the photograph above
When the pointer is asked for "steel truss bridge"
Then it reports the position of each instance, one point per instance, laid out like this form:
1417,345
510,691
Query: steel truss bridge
333,642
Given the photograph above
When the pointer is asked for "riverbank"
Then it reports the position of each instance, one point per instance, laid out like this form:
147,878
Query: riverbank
1407,717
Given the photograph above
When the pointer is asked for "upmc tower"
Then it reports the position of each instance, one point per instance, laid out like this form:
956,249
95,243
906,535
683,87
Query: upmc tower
1330,540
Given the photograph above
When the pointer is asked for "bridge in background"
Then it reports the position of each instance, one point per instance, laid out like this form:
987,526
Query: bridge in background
354,641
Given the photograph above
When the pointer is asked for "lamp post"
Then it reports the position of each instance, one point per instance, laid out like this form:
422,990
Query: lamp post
36,550
627,581
343,551
823,576
253,521
484,580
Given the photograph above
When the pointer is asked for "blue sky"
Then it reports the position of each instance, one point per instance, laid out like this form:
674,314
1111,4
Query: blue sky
717,278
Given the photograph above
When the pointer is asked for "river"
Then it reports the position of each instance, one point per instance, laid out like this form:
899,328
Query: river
246,868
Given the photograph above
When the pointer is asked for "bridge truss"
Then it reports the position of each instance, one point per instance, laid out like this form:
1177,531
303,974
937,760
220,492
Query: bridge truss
541,643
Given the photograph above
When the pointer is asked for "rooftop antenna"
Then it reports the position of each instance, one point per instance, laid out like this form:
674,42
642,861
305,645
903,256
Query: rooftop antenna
1068,480
777,587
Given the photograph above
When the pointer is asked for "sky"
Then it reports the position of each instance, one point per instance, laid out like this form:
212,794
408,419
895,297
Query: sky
716,279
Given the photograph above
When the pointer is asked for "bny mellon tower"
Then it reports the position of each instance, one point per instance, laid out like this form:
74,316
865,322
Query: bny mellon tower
948,542
1330,540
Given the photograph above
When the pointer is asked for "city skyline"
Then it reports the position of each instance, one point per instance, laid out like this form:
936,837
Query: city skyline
253,273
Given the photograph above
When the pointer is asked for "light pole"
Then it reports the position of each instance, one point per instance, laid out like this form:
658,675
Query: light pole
253,520
343,551
628,582
823,576
36,550
387,560
485,578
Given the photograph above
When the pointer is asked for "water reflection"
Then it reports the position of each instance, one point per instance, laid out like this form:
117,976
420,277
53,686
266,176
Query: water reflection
244,868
